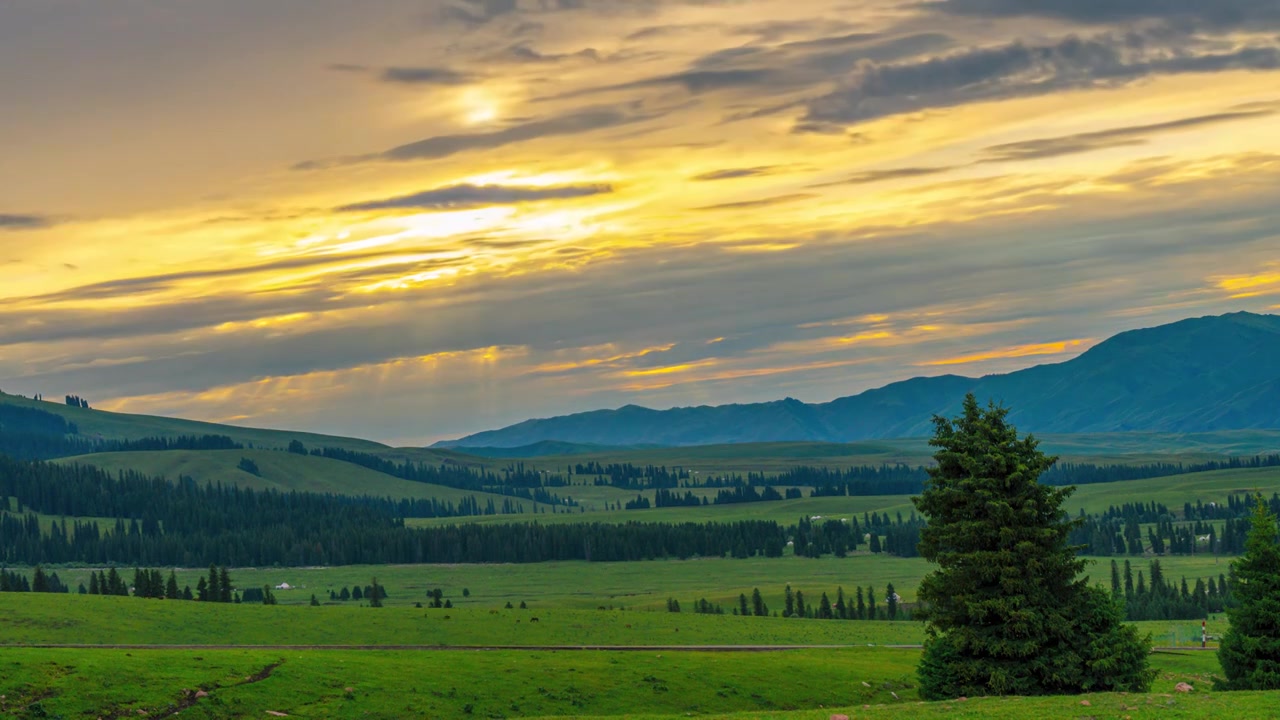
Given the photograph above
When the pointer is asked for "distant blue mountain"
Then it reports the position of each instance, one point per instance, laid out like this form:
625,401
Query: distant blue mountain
1198,375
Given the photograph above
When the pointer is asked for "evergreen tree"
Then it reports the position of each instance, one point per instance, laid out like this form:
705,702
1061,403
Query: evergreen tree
93,583
1250,649
862,606
115,584
841,609
758,608
824,608
871,602
214,586
186,593
800,609
39,581
314,601
224,586
171,591
375,593
345,595
1006,612
789,607
202,590
742,604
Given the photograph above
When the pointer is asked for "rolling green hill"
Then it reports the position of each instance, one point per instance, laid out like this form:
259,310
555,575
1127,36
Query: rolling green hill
1198,375
278,471
100,424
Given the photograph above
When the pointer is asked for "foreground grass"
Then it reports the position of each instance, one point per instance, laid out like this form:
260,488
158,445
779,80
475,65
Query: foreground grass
873,683
446,684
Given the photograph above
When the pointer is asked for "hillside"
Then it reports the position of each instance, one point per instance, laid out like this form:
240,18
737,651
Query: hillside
278,471
103,425
1199,375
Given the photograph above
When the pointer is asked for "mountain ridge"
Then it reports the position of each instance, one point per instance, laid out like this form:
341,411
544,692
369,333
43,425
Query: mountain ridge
1194,375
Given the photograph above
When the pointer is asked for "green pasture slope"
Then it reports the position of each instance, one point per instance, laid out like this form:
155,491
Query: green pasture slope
95,423
1173,491
279,471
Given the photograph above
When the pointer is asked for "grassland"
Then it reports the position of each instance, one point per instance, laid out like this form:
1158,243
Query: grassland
279,471
124,426
866,682
633,585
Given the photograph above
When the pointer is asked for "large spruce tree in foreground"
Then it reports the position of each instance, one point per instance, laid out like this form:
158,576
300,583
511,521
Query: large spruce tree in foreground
1007,612
1250,649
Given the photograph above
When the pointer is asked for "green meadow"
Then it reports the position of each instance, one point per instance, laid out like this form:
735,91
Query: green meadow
785,685
278,471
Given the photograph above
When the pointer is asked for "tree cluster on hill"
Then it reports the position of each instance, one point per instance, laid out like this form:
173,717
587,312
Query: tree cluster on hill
1155,597
515,481
184,524
40,582
77,401
632,477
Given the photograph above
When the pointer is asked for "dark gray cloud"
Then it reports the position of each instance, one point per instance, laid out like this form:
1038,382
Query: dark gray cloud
465,196
410,75
1102,139
523,54
1211,13
24,222
764,202
425,76
581,121
1018,70
693,81
733,173
164,281
871,176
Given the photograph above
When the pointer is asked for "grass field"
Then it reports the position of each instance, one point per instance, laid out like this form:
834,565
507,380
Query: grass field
633,585
1173,491
867,682
279,471
81,620
124,426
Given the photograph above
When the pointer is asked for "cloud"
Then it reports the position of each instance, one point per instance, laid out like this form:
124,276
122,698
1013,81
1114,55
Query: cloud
1018,70
24,222
582,121
523,54
468,196
425,76
1209,13
733,173
764,202
872,176
1102,139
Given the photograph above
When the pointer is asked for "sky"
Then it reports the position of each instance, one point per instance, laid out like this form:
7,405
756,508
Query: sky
409,220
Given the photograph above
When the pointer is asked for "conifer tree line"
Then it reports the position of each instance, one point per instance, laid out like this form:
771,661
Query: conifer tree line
857,606
184,524
11,581
1154,596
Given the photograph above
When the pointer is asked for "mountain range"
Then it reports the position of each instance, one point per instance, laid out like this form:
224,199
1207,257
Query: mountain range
1196,375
